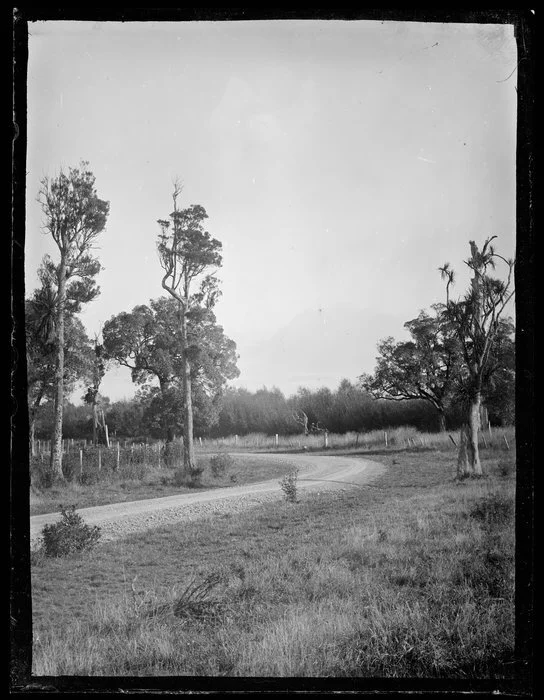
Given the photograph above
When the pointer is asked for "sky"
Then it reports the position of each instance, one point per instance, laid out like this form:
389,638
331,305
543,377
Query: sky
340,164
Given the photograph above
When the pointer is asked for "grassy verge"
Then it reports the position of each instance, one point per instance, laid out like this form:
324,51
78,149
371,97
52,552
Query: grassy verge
153,483
410,576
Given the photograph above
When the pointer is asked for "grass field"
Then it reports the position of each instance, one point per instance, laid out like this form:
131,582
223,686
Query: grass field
411,576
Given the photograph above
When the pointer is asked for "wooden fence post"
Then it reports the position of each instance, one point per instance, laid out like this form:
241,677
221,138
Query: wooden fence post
277,439
117,458
80,464
385,438
99,459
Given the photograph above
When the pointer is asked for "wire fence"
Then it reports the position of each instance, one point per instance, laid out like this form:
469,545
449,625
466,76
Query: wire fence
124,459
398,438
87,463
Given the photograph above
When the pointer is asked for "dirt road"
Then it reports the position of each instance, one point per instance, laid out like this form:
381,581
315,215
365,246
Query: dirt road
316,472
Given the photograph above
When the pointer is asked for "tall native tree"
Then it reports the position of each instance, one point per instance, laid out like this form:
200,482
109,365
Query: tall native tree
74,215
148,341
41,356
477,320
425,367
186,253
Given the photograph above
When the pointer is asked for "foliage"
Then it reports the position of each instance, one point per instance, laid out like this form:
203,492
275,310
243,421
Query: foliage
41,355
425,367
148,341
348,408
220,464
186,252
476,318
70,535
73,216
289,486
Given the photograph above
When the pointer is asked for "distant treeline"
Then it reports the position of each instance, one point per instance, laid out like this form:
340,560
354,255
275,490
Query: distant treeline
348,408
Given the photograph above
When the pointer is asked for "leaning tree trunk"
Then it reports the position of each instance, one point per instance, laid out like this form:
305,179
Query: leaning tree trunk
55,464
468,458
441,421
188,445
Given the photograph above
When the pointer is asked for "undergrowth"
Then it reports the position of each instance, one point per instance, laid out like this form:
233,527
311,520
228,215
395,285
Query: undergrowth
410,577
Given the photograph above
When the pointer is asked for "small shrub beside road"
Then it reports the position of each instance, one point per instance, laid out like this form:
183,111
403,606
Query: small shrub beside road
70,535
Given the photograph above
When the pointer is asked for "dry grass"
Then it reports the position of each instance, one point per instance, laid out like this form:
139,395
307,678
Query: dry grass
405,437
409,577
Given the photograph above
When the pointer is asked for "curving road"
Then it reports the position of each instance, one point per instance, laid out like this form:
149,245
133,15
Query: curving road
316,472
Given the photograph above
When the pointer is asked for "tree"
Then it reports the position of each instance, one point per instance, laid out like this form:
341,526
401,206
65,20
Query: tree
74,216
41,356
425,367
186,253
92,396
476,318
148,341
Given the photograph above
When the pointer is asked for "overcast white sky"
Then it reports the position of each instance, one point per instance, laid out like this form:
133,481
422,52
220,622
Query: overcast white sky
340,163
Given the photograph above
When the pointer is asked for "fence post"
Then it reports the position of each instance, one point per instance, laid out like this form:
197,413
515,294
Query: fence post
200,441
326,438
117,458
385,438
277,440
236,439
99,459
80,464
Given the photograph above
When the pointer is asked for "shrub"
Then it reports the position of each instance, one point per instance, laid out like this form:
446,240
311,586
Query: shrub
289,486
220,464
196,474
70,535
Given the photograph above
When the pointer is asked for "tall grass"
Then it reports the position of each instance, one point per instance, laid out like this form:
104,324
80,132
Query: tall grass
401,437
388,581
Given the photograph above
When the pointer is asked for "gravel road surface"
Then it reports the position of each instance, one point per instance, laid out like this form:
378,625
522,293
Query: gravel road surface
316,472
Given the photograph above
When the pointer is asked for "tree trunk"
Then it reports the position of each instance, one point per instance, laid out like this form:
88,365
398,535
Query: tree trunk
32,433
441,421
95,422
188,446
55,464
468,458
169,456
